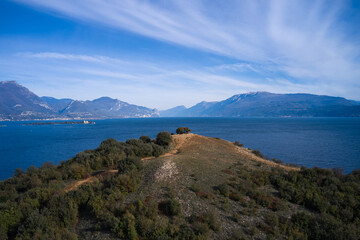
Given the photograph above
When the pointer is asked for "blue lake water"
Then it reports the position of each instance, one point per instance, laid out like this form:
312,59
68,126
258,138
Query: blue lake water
322,142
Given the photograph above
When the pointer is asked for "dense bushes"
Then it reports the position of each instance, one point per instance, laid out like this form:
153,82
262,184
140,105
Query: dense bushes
323,191
318,227
332,200
111,152
34,205
129,164
247,183
335,197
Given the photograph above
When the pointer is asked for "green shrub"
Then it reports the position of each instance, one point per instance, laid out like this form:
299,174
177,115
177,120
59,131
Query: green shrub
129,226
170,207
224,189
124,182
108,144
128,164
200,228
257,153
163,139
185,233
145,139
76,171
210,219
195,188
157,150
237,143
277,161
63,209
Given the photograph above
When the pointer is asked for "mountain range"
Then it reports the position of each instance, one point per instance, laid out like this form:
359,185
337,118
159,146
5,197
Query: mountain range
265,104
19,103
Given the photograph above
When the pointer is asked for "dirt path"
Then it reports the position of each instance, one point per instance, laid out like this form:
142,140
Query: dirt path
77,184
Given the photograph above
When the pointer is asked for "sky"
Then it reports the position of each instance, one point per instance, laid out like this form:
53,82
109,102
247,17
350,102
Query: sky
164,53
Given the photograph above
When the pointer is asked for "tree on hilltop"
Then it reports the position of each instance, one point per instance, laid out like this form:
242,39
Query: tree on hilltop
182,130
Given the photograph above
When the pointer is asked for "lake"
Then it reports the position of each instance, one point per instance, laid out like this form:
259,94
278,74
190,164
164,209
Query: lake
322,142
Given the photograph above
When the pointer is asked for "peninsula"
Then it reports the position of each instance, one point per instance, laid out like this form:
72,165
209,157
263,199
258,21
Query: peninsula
183,186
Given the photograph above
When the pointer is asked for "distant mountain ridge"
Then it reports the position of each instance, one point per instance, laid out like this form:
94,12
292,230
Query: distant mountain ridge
265,104
19,103
106,107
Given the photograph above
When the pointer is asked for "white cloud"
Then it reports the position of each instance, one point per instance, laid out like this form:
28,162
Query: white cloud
236,67
277,46
70,57
143,86
303,39
63,56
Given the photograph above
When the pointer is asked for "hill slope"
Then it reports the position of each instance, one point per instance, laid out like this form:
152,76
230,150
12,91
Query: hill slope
176,111
57,104
264,104
202,188
17,102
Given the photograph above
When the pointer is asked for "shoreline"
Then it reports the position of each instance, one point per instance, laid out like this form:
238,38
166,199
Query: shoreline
59,123
80,119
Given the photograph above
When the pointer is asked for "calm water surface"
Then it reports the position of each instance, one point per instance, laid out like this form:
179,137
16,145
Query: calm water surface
322,142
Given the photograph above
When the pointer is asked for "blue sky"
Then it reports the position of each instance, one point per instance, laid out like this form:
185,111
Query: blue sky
165,53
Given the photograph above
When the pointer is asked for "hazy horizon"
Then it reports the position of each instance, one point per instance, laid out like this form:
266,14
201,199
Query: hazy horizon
143,52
